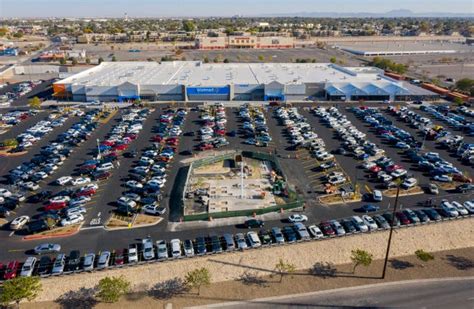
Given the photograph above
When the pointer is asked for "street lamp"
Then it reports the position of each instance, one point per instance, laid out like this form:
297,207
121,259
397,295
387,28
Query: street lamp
387,253
98,149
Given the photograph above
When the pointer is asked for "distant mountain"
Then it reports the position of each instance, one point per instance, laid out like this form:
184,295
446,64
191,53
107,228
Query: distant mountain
393,14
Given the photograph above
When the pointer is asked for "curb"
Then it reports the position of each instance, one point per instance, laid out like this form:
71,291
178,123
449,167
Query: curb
131,228
37,237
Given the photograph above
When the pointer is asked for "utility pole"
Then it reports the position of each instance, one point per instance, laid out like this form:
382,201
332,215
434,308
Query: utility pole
98,149
387,253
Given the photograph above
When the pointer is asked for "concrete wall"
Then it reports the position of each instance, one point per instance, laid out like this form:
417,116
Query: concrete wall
224,267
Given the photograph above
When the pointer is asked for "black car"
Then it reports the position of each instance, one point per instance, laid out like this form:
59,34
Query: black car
465,188
421,215
44,265
4,212
40,196
186,153
215,244
289,234
201,245
74,260
348,225
131,154
191,133
254,223
432,214
37,226
265,237
393,221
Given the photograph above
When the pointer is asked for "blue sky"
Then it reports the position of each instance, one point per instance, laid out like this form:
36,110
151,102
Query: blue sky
156,8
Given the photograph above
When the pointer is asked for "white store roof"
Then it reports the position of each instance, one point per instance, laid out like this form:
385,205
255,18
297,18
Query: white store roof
195,73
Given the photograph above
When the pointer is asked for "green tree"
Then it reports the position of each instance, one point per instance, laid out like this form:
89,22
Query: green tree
466,84
206,59
333,60
261,57
101,60
458,101
88,60
110,289
74,61
114,58
18,289
189,26
424,256
34,103
216,60
11,142
226,60
3,31
361,257
284,268
197,278
62,61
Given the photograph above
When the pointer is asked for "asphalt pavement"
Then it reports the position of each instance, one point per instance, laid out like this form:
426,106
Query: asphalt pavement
93,238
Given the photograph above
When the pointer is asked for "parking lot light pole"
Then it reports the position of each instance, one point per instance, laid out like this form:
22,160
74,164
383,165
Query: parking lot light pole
98,149
387,253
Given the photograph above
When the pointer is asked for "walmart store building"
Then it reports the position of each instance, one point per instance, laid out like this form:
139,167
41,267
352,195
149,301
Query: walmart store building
197,81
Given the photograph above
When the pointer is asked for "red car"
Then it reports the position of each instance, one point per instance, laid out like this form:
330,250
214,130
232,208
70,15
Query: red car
11,270
394,167
375,169
101,175
55,206
131,135
462,178
327,229
205,147
220,132
108,143
403,218
274,103
119,257
157,138
120,147
172,141
86,192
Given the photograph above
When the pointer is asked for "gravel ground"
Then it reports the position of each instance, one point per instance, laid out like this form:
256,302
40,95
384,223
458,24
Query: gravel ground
227,267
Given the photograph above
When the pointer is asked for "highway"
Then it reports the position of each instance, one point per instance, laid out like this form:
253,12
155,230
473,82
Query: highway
450,293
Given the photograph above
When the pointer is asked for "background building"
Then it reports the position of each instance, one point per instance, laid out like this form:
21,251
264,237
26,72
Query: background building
244,41
197,81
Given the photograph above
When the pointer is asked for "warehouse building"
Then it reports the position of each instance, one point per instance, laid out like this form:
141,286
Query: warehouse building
400,48
197,81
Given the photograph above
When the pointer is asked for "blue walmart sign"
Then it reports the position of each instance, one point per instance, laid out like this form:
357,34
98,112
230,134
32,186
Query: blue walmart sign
208,90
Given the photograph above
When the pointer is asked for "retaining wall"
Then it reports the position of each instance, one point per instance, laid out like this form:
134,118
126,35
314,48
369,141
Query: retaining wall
447,235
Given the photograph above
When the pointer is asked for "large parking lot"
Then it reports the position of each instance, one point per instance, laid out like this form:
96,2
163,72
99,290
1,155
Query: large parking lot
95,163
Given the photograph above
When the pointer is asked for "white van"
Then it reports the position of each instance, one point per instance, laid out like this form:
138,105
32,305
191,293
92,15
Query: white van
175,248
28,267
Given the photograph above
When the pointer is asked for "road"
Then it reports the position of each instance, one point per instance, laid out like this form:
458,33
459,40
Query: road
432,293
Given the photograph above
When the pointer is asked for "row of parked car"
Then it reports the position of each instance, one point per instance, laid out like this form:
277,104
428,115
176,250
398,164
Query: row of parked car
28,175
213,130
150,250
356,144
254,126
148,176
12,118
39,130
454,120
454,143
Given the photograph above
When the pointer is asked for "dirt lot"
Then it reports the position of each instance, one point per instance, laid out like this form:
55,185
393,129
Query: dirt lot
453,263
261,262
